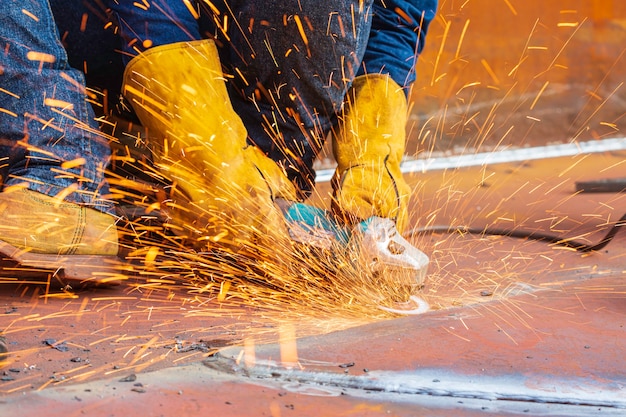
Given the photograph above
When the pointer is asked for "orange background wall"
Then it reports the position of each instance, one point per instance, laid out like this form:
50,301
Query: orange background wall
520,72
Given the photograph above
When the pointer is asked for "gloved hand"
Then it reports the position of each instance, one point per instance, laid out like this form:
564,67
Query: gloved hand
368,147
179,94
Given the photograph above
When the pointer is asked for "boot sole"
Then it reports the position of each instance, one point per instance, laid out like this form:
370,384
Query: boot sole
99,270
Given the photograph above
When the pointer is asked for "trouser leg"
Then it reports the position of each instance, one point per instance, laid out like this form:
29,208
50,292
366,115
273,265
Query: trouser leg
396,38
90,47
48,136
142,25
292,62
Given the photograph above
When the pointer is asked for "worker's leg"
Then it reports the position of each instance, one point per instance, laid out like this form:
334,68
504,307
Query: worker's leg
52,201
397,38
292,63
142,25
50,139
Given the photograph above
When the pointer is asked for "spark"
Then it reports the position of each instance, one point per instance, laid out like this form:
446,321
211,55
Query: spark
461,37
10,113
490,71
42,57
7,92
305,39
456,334
543,88
403,15
45,384
441,49
192,10
144,5
510,6
29,14
568,24
18,388
249,354
288,346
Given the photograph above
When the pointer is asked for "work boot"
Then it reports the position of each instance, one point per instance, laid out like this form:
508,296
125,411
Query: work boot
226,187
368,147
41,233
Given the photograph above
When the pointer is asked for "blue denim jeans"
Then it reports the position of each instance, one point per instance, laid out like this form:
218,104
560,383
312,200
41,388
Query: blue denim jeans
291,62
48,136
397,37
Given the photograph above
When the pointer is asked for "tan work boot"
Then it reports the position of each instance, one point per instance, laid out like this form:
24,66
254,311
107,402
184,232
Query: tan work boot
75,242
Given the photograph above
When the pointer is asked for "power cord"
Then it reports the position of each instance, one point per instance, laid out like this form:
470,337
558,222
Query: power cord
525,234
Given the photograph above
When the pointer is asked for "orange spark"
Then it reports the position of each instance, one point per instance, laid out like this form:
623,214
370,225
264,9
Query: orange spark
302,34
41,57
29,14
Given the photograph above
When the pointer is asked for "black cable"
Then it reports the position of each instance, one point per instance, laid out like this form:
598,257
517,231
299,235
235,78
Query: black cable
525,234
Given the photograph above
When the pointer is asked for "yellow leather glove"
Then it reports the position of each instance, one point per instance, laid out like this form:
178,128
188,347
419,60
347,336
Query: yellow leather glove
179,93
368,147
